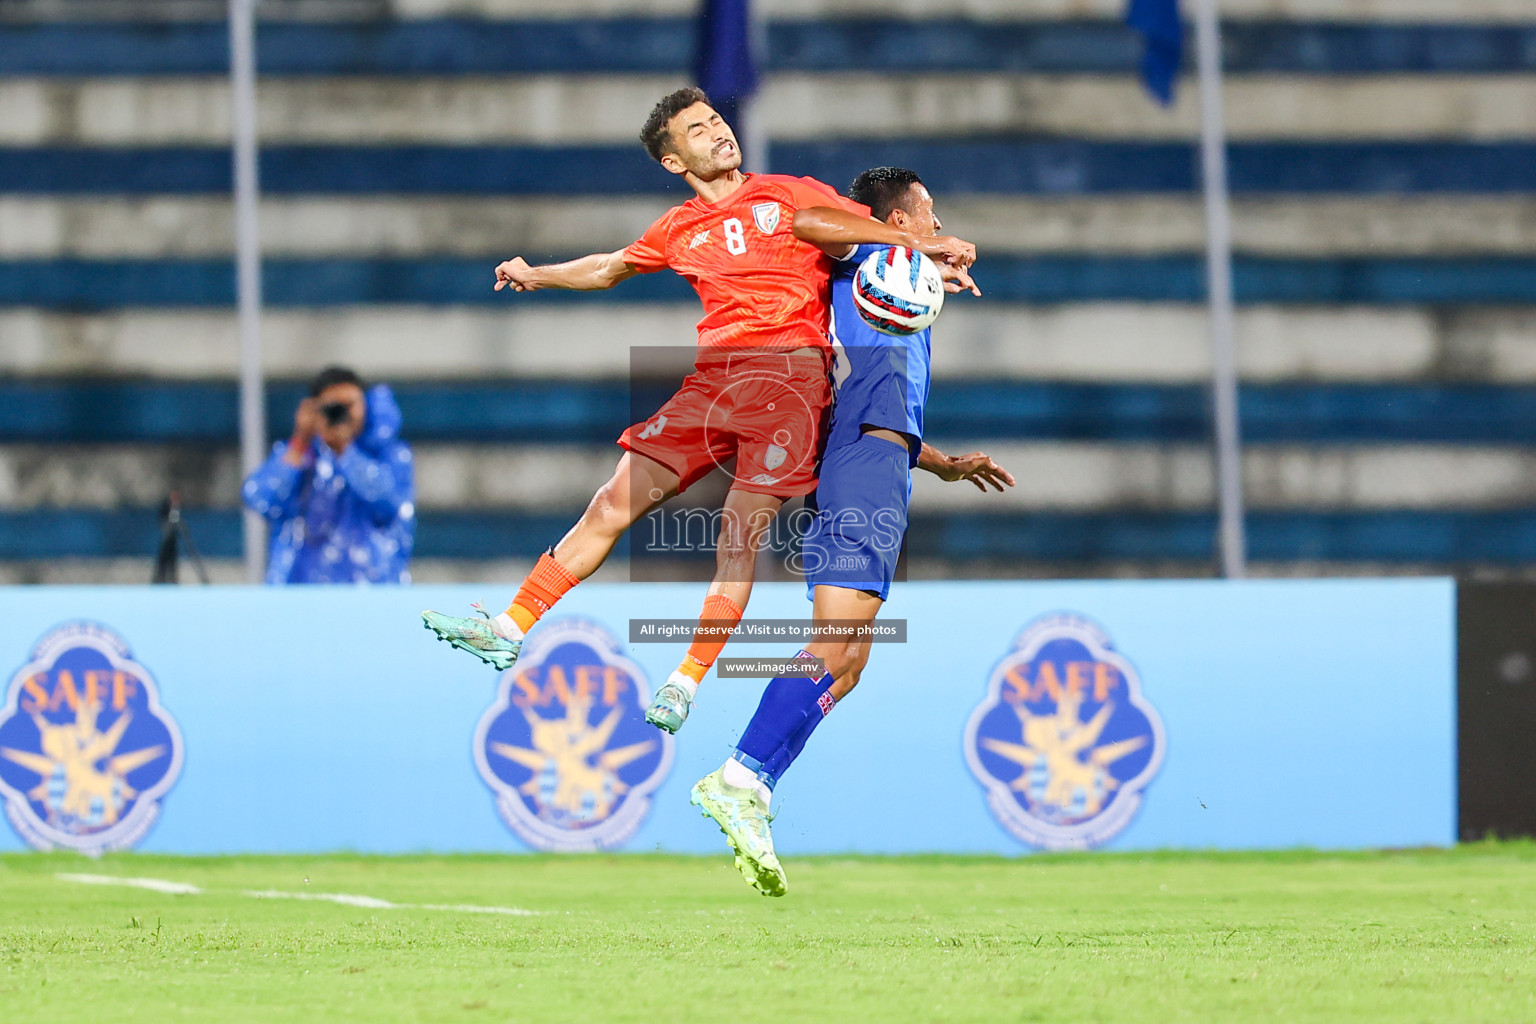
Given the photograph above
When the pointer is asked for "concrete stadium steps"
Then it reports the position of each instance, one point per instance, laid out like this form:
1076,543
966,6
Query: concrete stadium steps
54,227
500,576
1064,167
1076,476
1047,279
528,412
1408,536
125,571
113,476
576,110
332,10
1158,342
535,476
815,40
1061,476
86,285
180,227
1384,166
1295,568
1404,10
1439,10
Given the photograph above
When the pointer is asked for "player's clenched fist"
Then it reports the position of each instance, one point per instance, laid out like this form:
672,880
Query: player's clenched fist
517,273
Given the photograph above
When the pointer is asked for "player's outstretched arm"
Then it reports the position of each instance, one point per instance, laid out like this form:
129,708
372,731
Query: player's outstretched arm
976,467
836,232
588,274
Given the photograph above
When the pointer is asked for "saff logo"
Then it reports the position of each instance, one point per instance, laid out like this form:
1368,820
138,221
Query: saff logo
1064,742
565,748
86,750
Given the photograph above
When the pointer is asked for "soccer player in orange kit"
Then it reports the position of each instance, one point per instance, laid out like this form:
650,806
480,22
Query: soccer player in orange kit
757,248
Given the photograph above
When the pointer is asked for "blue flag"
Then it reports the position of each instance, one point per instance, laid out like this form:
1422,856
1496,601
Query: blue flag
1158,22
726,67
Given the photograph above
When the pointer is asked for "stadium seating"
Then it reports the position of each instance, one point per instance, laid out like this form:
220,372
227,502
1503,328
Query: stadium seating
1383,164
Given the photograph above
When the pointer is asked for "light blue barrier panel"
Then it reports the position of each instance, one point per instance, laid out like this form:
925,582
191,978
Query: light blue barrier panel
1291,713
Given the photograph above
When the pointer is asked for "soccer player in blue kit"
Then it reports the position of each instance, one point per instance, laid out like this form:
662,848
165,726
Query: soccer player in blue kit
851,548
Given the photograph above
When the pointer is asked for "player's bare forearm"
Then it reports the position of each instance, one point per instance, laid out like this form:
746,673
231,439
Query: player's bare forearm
977,467
836,232
588,274
931,459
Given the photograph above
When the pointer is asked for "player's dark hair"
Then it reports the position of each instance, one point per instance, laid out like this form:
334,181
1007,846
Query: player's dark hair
655,136
884,189
331,376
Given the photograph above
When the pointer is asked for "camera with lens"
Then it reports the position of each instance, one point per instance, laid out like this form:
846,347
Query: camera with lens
336,413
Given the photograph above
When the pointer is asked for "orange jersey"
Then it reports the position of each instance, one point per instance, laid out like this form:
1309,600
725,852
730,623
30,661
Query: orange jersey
760,285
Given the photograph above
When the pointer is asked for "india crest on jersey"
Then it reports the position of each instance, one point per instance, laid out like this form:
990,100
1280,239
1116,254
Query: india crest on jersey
1064,742
86,750
766,217
565,747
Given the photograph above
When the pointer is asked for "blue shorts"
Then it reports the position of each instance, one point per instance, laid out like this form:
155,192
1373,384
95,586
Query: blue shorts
861,504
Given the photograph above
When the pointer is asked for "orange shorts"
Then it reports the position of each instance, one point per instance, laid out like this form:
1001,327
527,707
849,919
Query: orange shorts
763,411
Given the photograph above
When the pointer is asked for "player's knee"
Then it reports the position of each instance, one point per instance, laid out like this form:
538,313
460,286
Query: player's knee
743,528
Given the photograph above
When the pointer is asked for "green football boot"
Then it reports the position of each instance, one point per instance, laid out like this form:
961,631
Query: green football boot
669,708
475,636
743,817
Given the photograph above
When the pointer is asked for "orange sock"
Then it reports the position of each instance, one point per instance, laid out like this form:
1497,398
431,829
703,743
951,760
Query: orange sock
545,585
721,614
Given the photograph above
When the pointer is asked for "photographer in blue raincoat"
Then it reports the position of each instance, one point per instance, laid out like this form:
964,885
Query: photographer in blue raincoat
340,493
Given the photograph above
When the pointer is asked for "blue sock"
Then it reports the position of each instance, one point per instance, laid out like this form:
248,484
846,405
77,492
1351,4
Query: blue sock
785,756
790,710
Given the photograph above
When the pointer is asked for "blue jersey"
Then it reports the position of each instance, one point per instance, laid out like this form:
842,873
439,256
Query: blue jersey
882,380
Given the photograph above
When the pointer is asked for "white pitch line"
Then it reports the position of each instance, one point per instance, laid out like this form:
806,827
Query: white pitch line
345,899
157,884
374,903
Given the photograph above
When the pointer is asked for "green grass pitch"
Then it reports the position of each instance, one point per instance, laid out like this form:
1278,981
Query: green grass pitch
1406,936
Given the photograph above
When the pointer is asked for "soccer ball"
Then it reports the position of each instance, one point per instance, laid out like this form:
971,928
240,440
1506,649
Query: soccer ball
898,291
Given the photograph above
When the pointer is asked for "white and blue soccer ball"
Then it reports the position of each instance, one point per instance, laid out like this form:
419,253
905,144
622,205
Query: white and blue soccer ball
898,291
